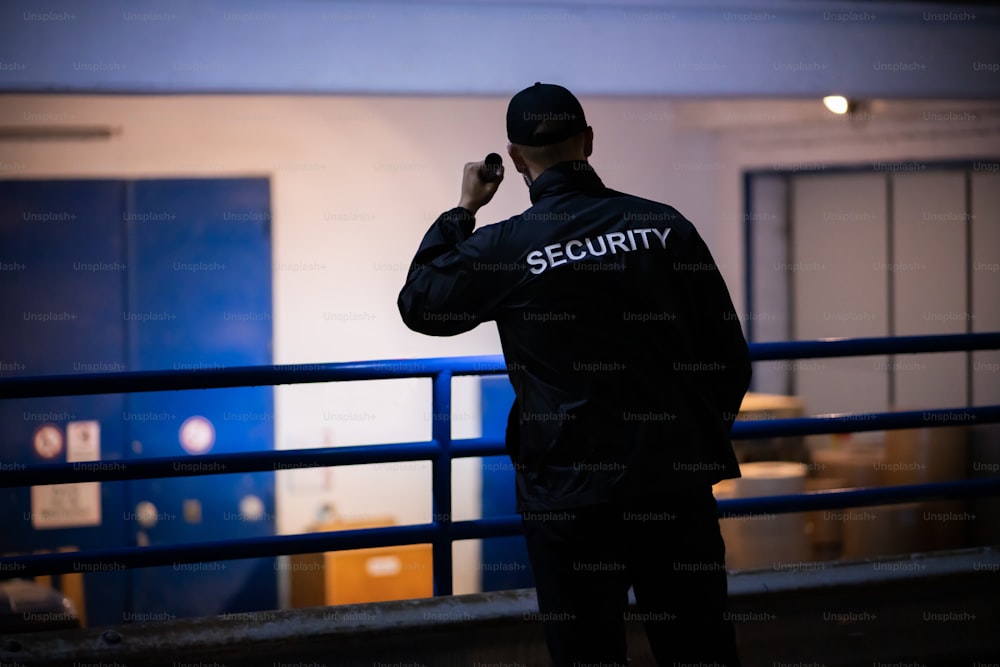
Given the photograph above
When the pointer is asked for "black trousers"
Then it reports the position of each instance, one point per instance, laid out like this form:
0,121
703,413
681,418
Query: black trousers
667,548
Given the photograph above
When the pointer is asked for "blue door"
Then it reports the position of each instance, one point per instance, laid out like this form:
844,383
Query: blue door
151,274
61,298
199,296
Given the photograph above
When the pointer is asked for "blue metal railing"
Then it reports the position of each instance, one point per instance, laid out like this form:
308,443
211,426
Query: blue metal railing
442,531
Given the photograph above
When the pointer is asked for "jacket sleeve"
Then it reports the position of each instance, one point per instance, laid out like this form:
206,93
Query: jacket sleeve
452,285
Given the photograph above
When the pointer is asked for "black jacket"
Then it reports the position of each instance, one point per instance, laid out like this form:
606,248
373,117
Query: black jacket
627,359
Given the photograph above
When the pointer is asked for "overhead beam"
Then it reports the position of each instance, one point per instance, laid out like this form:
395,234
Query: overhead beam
615,47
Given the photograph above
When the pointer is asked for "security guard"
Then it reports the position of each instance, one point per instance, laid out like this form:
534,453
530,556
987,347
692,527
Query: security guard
628,364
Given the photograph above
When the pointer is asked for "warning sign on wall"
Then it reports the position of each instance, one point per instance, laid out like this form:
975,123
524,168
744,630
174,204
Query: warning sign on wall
76,504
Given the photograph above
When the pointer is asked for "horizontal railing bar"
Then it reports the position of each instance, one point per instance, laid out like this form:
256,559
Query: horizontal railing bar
859,347
178,555
252,376
858,497
14,475
103,560
243,376
858,422
472,447
785,504
494,526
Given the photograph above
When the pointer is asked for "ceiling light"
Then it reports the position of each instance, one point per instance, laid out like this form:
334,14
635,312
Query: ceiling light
838,104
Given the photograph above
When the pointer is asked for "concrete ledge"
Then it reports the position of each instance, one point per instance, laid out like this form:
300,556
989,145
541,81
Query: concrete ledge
926,609
411,632
815,576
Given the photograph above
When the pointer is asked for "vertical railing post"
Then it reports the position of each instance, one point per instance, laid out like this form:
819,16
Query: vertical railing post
441,481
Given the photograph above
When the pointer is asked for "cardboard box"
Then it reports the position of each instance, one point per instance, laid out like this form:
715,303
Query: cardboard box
361,575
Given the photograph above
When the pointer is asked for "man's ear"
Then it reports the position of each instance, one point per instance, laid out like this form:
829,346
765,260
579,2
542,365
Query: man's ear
588,141
515,156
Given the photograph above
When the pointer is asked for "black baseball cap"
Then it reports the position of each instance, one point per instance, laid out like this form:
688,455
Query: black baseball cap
543,102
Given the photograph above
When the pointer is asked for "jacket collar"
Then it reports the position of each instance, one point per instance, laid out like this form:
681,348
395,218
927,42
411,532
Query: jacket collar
576,175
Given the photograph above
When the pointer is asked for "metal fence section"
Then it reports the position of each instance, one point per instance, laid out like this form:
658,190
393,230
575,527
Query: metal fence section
441,532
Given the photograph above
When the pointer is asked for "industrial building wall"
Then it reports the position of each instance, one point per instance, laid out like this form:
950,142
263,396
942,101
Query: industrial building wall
355,181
